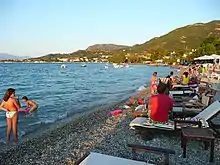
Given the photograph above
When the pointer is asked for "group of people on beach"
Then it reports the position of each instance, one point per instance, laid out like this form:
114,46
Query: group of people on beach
169,81
160,103
11,105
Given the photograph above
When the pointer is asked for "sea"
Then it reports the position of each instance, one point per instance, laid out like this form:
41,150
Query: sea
65,92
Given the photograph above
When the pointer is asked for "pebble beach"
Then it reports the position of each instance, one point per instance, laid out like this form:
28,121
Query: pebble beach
97,131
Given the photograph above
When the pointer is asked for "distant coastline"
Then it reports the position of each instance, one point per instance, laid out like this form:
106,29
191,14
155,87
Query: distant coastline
149,64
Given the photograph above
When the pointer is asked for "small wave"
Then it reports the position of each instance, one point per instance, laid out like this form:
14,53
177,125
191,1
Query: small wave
3,125
48,121
2,141
22,133
141,88
62,116
35,123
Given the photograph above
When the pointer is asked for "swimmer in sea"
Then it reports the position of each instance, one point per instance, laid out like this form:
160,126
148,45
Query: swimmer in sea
30,104
11,104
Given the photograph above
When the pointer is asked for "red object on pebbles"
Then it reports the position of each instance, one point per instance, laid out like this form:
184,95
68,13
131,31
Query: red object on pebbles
116,112
140,102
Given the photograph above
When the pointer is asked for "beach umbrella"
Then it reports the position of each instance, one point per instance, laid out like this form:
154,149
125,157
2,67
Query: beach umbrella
215,56
204,58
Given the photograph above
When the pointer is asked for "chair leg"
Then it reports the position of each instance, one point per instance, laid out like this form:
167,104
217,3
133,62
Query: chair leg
166,159
181,140
206,145
134,156
184,146
212,151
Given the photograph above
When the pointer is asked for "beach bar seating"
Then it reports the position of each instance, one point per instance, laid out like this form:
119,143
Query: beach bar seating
101,159
198,134
194,102
192,107
206,115
183,90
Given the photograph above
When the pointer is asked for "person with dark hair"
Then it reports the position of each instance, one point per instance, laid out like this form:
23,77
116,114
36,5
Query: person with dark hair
171,77
160,105
11,104
171,73
185,78
30,104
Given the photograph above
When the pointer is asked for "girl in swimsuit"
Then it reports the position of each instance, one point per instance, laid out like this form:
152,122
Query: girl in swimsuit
11,105
154,83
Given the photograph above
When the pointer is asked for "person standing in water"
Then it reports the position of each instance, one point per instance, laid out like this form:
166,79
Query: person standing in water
30,104
10,105
154,83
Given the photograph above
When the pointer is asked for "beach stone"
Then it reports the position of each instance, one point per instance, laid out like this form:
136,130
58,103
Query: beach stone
102,133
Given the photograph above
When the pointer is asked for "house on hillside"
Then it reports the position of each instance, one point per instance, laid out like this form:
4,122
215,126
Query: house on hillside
63,59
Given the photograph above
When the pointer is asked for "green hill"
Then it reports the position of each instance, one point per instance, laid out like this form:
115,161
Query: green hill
187,37
105,47
204,37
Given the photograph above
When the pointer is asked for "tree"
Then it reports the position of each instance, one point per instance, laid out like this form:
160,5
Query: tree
209,49
118,58
217,47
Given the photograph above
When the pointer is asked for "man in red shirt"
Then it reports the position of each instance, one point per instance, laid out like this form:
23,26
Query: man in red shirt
160,105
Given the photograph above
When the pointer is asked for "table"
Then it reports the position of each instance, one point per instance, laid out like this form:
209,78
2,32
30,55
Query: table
101,159
201,134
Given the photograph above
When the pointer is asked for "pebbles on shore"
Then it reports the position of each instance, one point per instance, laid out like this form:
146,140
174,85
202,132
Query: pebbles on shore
101,133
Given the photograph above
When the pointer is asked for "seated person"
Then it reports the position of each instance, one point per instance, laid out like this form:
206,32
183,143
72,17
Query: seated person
160,105
30,104
171,76
167,84
185,78
193,81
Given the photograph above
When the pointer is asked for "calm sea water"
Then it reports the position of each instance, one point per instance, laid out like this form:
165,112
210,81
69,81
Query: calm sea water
64,92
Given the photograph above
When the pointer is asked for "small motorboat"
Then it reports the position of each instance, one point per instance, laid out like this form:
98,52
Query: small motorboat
116,66
63,66
83,65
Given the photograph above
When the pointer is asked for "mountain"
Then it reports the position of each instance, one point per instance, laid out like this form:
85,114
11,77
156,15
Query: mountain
106,47
181,40
6,56
187,37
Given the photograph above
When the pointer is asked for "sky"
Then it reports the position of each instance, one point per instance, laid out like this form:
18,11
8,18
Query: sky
38,27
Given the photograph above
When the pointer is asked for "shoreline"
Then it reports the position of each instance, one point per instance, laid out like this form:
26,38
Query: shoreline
78,123
97,131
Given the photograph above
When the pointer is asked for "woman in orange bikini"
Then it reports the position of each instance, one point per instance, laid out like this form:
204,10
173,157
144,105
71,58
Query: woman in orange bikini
11,105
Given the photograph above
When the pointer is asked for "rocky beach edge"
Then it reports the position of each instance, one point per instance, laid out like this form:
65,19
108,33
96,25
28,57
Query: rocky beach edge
97,131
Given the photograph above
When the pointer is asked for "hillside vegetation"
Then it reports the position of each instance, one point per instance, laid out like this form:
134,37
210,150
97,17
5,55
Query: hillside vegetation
106,47
187,37
183,43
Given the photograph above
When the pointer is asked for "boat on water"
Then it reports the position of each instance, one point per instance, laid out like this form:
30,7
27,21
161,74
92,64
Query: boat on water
83,65
120,65
63,66
117,66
